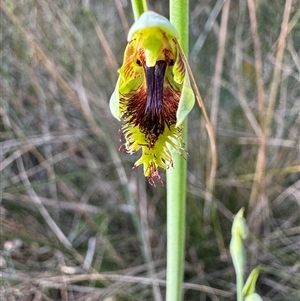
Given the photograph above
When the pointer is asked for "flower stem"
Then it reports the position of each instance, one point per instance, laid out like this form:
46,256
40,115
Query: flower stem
176,181
138,7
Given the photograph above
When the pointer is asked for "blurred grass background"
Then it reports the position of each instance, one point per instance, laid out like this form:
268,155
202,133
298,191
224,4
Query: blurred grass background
74,213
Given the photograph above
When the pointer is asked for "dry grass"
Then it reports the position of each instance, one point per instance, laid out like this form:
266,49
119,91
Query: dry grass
77,223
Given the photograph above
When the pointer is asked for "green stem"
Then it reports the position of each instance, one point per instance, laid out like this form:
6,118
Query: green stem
239,286
176,181
138,7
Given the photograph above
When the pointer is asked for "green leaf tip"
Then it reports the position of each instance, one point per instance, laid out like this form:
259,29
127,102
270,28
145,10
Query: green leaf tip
239,227
249,287
239,232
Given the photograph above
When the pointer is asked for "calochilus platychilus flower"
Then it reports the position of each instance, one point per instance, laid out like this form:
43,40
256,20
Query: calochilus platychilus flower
153,94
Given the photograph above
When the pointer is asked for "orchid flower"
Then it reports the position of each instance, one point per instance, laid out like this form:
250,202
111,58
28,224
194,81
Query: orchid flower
153,94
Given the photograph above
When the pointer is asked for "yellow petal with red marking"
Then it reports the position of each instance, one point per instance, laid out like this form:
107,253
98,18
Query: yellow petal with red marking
149,93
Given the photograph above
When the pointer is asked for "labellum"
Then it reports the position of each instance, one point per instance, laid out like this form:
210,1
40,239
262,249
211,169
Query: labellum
153,94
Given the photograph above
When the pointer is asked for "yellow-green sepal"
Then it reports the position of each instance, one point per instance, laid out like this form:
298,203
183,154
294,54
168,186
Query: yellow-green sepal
187,100
114,102
151,19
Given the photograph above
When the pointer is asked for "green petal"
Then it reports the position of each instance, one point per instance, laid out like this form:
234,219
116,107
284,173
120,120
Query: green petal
114,102
187,100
